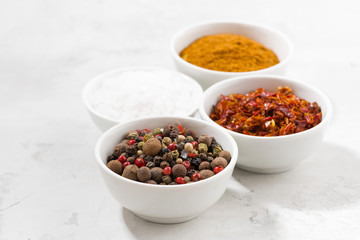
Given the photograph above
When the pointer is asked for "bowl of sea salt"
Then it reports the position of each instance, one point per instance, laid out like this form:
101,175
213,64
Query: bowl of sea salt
126,94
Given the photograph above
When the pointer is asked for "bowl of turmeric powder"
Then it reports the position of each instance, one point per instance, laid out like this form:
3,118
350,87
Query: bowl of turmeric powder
213,51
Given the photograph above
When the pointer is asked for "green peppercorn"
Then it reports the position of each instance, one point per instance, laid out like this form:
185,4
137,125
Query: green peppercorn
190,138
166,141
147,137
140,145
139,152
174,154
217,150
133,135
202,148
179,161
156,131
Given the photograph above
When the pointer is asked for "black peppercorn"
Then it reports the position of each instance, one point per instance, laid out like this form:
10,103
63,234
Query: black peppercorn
150,164
111,157
157,160
190,172
164,164
148,158
196,162
172,163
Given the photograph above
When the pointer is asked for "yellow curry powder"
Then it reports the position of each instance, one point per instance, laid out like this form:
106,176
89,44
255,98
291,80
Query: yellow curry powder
229,53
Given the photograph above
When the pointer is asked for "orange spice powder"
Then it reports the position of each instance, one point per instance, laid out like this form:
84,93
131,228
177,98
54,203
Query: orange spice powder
229,53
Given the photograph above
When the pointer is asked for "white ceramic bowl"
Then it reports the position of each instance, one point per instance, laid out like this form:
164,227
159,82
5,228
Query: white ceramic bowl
165,203
270,38
277,153
104,122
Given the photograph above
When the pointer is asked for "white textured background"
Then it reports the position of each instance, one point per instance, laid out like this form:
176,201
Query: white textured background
50,187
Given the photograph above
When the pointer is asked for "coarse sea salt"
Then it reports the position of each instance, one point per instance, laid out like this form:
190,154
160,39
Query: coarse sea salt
132,94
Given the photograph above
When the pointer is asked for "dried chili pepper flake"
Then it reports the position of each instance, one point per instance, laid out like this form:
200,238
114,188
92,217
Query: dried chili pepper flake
264,113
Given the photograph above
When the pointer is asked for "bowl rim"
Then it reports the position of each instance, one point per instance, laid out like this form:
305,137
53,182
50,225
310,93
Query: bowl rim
114,129
218,85
184,31
100,77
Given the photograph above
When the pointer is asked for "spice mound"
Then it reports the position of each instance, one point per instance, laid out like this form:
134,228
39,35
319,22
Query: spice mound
168,156
229,53
263,113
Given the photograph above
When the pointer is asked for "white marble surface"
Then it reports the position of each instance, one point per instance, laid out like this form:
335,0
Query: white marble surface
50,187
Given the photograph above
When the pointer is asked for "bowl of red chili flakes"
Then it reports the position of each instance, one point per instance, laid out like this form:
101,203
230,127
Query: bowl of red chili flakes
276,121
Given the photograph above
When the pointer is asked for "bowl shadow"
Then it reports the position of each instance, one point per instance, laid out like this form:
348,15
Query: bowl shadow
328,179
255,204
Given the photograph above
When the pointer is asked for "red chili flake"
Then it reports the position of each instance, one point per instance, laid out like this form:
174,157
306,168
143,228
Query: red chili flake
263,113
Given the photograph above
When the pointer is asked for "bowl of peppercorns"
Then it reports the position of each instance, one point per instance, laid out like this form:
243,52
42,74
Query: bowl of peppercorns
276,121
152,166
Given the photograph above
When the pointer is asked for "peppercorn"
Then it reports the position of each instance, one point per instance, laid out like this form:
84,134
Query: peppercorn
225,154
202,148
157,160
164,150
190,132
218,169
158,137
151,182
204,165
203,156
172,163
119,149
217,150
190,172
180,138
171,130
150,164
166,179
179,170
131,160
139,152
115,166
219,161
174,154
167,157
172,183
152,147
156,174
180,146
166,141
188,147
196,162
179,161
164,164
131,134
206,173
144,174
130,172
147,137
140,145
156,131
187,179
190,138
138,139
205,139
148,158
109,158
130,149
